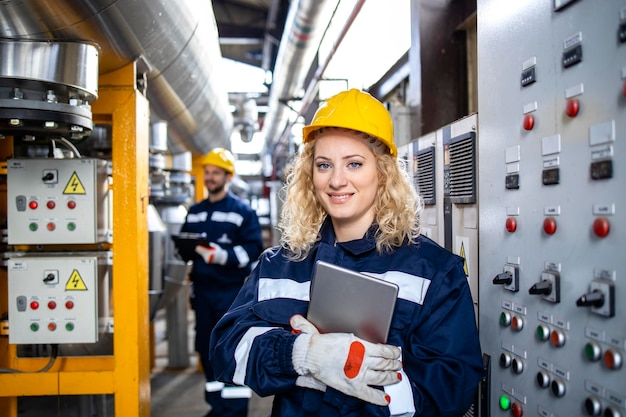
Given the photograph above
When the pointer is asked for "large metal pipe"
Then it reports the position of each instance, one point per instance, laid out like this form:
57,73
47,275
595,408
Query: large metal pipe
176,39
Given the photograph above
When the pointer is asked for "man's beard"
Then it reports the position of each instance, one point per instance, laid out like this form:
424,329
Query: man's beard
217,188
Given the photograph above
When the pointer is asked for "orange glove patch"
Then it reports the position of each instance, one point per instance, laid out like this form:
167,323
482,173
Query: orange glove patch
354,360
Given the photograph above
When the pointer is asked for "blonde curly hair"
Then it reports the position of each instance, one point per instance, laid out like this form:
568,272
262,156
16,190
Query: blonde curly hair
397,206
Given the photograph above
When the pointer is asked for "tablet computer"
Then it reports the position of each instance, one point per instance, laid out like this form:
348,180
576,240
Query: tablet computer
345,301
186,244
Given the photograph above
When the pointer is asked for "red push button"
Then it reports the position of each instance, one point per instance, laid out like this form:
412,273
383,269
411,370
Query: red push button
549,225
517,410
601,227
511,224
52,326
624,89
612,359
557,338
572,107
51,226
529,122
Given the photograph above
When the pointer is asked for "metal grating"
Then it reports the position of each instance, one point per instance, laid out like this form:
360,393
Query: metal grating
425,175
463,170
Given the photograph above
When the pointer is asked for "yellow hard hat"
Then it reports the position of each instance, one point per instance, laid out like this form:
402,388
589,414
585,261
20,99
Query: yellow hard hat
356,110
222,158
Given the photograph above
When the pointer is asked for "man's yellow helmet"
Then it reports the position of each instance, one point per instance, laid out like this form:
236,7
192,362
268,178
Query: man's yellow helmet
220,157
356,110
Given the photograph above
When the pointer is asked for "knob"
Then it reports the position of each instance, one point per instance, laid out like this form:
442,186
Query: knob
593,406
549,225
542,333
544,288
557,338
558,388
593,299
593,352
510,224
517,366
517,323
543,379
505,318
505,360
612,359
612,412
517,410
504,278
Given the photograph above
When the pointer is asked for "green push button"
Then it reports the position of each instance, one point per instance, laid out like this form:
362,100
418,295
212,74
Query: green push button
505,402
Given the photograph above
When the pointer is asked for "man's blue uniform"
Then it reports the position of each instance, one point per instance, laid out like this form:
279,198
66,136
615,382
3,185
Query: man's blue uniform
233,225
434,324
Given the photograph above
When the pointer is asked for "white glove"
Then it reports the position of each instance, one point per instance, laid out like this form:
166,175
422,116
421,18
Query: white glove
345,362
214,254
308,380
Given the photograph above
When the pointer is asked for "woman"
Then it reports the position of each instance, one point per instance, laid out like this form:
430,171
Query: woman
349,202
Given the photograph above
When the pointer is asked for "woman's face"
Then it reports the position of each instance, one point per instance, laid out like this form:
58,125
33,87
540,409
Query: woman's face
345,179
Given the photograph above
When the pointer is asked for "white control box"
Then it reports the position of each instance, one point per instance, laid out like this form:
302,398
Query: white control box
53,299
58,201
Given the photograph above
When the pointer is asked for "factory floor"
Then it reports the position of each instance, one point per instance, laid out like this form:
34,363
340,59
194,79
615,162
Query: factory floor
174,392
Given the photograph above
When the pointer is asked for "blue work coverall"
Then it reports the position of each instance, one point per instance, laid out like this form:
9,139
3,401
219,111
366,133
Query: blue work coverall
433,323
234,225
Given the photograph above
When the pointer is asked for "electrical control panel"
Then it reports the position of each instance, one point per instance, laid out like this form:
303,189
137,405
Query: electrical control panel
552,155
53,299
58,201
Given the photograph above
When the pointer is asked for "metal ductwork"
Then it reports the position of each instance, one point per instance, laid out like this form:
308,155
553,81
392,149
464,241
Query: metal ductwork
177,40
300,42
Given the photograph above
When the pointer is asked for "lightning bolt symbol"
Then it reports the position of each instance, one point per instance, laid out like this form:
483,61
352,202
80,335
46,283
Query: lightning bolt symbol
75,280
74,184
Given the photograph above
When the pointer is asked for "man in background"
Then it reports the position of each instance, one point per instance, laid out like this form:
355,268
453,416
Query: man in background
234,242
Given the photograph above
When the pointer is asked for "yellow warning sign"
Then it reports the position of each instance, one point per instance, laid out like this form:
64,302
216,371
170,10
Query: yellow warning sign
462,254
74,186
75,283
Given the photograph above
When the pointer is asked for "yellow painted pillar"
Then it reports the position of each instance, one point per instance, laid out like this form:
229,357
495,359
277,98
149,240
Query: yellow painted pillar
128,111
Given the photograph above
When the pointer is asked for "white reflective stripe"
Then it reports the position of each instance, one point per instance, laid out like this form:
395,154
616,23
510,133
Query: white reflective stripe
242,352
227,217
236,392
410,287
242,256
402,403
213,386
197,217
283,288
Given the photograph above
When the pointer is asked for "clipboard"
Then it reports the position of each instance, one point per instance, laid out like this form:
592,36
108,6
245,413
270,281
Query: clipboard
186,243
345,301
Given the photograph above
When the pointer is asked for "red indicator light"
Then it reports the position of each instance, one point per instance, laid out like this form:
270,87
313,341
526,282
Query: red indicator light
529,122
52,326
50,204
572,107
69,304
511,225
517,410
601,227
34,305
33,205
549,225
52,305
51,226
624,89
71,204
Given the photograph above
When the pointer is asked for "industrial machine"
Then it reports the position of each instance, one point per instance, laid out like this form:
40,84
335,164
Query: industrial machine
552,121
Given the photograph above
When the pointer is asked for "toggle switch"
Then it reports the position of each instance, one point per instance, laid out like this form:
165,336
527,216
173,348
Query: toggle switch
549,287
601,298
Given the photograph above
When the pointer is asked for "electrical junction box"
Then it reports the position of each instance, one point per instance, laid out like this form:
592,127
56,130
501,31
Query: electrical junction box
58,201
53,299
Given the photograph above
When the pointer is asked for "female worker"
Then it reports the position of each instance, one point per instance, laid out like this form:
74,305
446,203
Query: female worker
349,202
